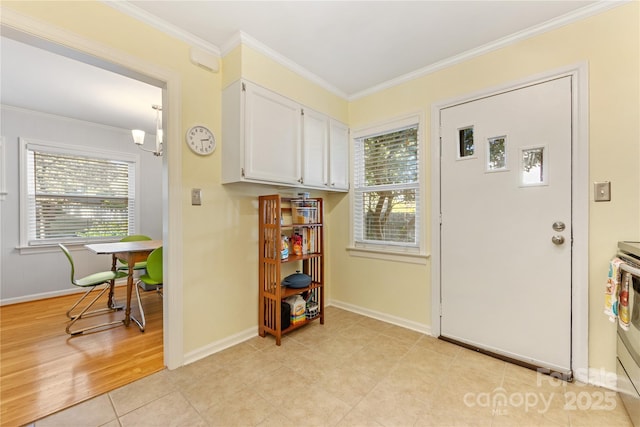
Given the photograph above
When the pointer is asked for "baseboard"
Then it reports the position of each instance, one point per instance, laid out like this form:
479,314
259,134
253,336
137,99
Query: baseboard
220,345
247,334
46,295
599,377
398,321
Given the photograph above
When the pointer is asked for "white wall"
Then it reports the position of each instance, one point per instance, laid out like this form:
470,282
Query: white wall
41,274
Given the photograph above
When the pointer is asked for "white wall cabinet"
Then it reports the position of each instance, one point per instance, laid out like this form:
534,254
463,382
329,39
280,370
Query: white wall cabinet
325,152
338,156
315,149
268,138
261,136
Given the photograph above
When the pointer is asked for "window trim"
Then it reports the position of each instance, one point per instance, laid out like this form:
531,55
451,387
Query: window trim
63,148
394,252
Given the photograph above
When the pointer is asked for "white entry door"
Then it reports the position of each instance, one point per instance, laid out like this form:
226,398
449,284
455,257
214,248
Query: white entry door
506,224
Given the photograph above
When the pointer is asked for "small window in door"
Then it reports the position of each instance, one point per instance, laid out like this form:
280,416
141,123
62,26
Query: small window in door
497,154
466,144
533,166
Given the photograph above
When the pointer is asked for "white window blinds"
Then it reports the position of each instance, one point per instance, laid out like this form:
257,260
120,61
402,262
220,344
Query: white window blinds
77,197
387,188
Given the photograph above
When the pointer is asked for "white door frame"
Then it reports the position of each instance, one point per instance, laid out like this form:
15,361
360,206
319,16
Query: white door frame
579,205
171,165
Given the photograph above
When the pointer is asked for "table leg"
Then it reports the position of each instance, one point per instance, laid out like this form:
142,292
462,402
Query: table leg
110,302
127,314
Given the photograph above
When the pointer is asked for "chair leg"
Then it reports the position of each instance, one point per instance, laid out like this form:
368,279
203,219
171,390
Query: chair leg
85,313
143,323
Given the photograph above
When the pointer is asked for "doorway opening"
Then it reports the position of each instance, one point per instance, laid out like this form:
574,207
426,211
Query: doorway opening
167,82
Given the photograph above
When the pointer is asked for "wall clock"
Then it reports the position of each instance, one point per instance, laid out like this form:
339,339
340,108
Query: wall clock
201,140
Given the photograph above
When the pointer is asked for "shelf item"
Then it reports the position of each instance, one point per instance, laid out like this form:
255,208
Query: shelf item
297,280
275,140
310,260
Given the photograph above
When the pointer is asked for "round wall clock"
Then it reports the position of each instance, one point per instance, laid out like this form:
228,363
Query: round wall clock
201,140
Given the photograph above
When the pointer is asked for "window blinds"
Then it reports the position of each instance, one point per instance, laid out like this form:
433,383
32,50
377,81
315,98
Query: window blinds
75,197
387,188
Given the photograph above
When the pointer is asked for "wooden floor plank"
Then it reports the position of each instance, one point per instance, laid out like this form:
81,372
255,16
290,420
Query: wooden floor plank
44,370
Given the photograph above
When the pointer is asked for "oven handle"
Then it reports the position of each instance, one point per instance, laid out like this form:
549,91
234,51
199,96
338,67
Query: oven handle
626,267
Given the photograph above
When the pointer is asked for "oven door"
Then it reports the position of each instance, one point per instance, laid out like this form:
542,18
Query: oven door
628,351
626,369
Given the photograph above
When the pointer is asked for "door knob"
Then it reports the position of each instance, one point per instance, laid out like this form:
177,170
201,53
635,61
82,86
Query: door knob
558,226
557,240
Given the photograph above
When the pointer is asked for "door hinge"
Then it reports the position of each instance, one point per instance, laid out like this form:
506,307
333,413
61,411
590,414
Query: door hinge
302,111
244,87
242,172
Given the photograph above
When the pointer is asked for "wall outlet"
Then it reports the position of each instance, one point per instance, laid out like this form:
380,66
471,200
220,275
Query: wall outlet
602,191
196,196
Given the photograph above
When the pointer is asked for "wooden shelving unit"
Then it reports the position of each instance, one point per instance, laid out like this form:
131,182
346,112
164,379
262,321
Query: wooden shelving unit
279,217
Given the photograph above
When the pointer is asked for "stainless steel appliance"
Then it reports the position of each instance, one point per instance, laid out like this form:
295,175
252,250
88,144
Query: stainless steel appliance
628,341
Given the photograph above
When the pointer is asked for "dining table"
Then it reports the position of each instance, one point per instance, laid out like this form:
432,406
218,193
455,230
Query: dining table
130,253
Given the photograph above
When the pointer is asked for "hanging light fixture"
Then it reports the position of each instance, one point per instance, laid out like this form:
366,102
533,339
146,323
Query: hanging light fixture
138,135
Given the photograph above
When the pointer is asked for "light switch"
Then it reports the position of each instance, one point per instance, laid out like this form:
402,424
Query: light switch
196,196
602,191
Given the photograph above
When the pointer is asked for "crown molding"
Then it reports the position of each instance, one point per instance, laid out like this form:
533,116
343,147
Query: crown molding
243,38
552,24
159,24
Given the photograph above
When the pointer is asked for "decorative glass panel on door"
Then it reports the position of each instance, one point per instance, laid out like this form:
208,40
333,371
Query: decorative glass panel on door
533,166
497,154
466,144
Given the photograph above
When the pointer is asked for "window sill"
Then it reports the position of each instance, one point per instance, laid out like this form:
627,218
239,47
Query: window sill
411,258
53,247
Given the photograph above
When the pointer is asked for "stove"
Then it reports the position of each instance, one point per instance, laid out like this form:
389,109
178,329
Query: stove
628,340
630,248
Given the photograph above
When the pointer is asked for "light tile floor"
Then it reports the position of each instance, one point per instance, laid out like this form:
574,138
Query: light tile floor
352,371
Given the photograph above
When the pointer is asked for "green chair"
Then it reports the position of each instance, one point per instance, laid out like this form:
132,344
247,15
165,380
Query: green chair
139,265
90,283
153,277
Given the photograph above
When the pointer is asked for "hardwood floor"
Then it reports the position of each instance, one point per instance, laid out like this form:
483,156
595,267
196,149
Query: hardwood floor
44,370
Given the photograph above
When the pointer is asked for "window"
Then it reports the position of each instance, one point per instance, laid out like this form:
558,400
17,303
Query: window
71,194
386,190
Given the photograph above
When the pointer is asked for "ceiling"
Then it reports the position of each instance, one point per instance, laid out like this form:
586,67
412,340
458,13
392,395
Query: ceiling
356,45
38,79
349,47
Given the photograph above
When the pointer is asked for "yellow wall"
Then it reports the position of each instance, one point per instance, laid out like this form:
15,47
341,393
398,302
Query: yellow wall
220,237
610,42
219,257
216,283
245,62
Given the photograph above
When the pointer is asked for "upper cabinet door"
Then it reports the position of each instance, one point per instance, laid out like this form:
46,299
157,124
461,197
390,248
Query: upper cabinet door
272,136
315,149
338,156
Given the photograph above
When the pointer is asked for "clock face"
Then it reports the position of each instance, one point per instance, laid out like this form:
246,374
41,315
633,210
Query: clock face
201,140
